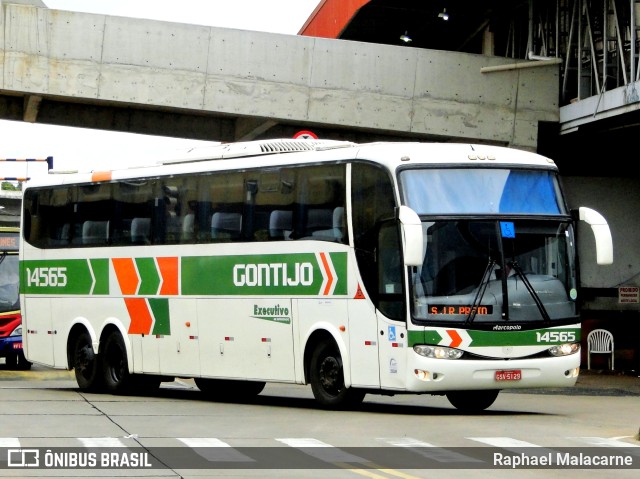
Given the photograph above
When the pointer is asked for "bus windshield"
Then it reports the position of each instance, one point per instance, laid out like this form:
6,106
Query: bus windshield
497,269
481,191
9,282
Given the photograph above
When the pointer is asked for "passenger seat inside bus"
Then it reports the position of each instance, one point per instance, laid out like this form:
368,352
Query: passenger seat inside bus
140,229
326,224
188,227
226,226
280,224
60,235
95,232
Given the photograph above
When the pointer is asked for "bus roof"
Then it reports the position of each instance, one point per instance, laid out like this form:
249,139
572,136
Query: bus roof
262,153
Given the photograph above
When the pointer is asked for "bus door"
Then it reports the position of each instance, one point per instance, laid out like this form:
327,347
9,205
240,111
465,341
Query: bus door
391,308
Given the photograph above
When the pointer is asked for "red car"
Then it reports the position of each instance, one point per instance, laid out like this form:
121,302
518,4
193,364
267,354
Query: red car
11,341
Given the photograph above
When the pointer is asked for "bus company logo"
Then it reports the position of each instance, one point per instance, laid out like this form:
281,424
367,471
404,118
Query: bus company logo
277,313
273,273
508,327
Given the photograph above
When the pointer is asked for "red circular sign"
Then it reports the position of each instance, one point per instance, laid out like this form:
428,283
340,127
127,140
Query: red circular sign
305,135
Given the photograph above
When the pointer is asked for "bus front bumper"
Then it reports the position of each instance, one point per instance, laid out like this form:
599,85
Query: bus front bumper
439,375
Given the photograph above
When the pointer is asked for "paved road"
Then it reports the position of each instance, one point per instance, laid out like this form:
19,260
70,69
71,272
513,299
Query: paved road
284,432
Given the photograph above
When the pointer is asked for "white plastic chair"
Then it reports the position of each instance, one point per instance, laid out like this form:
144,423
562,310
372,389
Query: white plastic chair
599,341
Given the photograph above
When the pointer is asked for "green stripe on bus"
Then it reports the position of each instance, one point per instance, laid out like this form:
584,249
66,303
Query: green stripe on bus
270,275
288,275
149,276
339,261
160,309
100,269
70,276
547,336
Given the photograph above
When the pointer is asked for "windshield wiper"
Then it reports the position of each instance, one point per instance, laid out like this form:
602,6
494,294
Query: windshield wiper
482,287
516,267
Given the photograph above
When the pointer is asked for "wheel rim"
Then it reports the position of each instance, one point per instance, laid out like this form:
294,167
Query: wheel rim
330,373
84,361
115,362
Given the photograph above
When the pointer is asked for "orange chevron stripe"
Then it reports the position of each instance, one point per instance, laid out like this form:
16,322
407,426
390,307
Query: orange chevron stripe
325,264
169,272
126,274
141,319
456,340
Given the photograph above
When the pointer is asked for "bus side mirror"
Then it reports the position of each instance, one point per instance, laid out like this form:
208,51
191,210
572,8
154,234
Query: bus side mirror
412,239
601,232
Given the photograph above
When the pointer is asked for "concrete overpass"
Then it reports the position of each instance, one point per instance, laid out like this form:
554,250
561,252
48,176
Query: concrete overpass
189,81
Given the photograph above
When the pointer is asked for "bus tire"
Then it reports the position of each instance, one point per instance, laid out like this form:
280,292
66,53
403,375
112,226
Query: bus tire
11,361
326,375
115,368
23,364
86,364
472,401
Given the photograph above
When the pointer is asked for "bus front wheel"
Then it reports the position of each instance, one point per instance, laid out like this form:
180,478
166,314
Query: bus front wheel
86,364
472,401
327,379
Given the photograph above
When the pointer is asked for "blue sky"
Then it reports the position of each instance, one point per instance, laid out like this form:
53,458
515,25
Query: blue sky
84,149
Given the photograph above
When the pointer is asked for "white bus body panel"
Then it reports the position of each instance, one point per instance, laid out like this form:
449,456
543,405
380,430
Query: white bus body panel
363,344
235,344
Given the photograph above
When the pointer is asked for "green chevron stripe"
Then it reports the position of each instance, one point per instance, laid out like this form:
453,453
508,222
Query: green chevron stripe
149,276
100,269
160,310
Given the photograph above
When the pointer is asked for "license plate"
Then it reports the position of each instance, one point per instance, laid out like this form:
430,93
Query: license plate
17,345
511,375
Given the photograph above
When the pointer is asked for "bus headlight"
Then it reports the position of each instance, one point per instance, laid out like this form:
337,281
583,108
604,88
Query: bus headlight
564,349
437,352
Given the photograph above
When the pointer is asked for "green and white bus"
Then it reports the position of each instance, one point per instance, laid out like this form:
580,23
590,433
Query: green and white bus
381,268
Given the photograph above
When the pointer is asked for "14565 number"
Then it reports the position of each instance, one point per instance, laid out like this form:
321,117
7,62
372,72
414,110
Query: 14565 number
44,277
556,336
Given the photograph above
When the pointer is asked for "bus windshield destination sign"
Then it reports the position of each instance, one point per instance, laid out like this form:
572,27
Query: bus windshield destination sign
9,242
459,309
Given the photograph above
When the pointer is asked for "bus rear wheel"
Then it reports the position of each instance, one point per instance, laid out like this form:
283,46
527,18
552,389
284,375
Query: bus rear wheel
115,367
327,379
472,401
86,364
